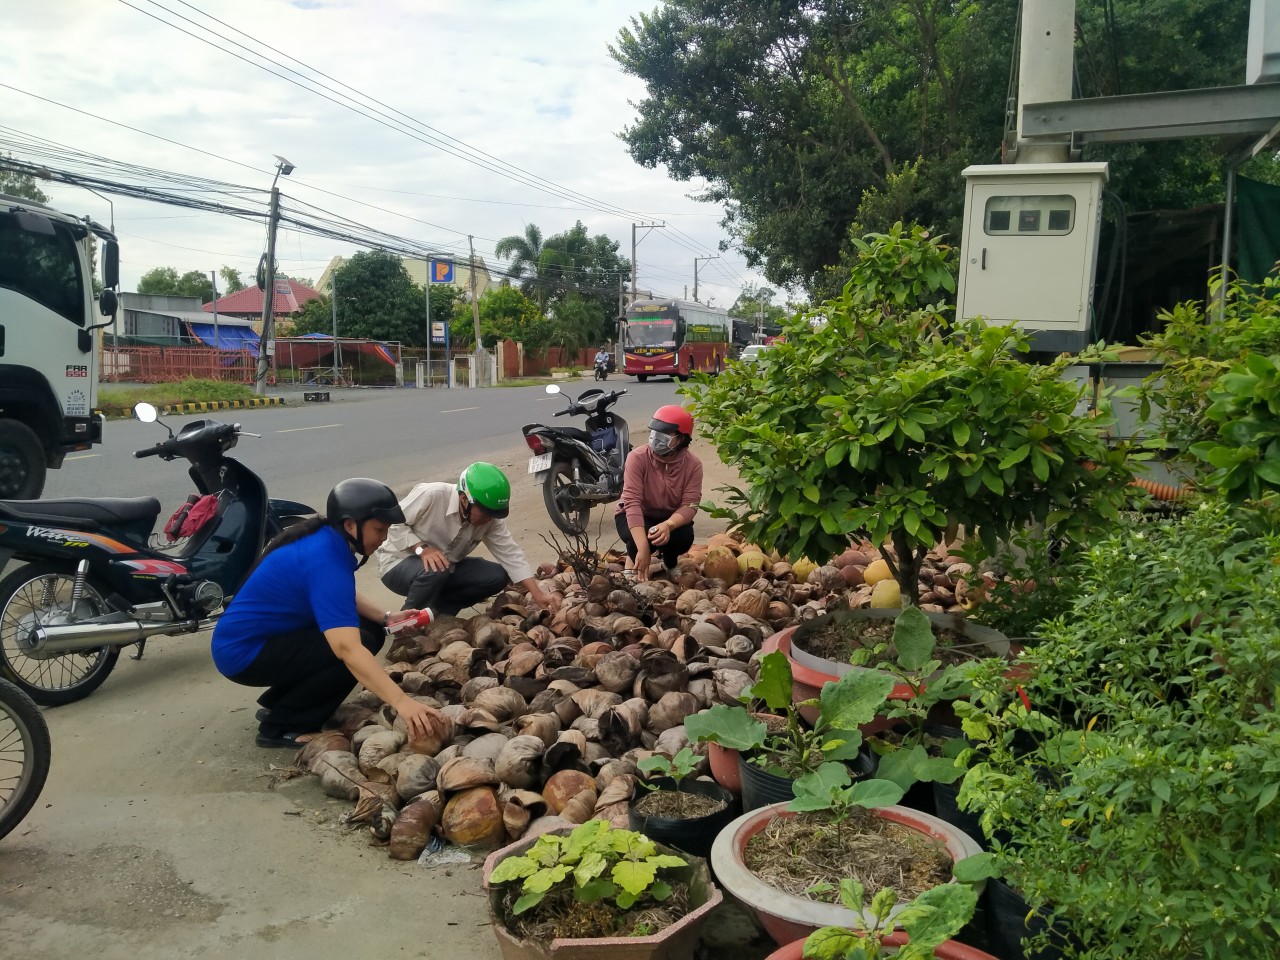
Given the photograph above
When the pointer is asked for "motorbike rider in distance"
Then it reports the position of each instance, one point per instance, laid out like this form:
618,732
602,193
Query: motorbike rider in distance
602,363
426,556
299,627
661,490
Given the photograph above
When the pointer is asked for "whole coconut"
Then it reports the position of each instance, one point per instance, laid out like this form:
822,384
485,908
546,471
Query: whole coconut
473,818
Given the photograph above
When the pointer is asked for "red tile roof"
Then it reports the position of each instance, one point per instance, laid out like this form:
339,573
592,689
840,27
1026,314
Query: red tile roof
290,298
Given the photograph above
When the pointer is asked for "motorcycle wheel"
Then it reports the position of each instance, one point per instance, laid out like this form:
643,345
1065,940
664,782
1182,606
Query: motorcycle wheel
39,594
24,755
567,513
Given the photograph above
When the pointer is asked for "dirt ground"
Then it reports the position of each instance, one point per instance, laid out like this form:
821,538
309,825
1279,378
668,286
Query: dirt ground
164,832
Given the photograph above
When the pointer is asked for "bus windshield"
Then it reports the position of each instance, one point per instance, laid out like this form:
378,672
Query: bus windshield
651,333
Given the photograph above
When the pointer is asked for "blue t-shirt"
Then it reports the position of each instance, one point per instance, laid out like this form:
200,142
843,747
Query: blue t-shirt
310,582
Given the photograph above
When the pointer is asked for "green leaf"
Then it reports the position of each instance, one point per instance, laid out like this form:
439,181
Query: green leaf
1267,794
727,725
1015,456
814,791
978,866
633,876
831,943
660,890
852,894
774,684
597,889
1160,787
913,638
527,901
513,868
589,868
854,699
938,914
960,432
876,793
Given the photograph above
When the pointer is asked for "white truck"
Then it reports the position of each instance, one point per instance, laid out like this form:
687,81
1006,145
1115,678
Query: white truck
48,350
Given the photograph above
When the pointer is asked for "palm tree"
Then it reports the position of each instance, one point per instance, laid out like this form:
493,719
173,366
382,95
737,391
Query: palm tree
525,254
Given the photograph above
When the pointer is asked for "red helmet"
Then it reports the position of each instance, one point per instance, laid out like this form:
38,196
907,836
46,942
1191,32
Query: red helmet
672,419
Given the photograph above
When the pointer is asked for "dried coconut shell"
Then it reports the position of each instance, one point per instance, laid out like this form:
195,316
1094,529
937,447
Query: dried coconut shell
563,786
671,710
475,686
620,726
416,775
370,799
580,808
544,726
473,818
321,743
616,671
660,673
502,703
350,717
519,809
486,747
440,733
671,741
462,773
730,684
610,771
569,752
412,830
519,763
593,702
339,774
378,746
704,688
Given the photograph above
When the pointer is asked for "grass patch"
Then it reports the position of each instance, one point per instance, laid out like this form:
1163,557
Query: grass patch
117,399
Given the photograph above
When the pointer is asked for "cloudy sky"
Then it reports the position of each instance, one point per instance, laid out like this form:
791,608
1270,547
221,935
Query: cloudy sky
529,83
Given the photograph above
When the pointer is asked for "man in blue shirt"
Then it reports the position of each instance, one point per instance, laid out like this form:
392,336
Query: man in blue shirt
298,627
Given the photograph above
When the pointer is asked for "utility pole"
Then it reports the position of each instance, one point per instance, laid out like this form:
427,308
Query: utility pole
213,278
646,226
479,356
428,285
333,294
695,274
266,342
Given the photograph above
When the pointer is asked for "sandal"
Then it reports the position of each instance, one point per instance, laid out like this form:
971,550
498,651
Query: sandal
291,741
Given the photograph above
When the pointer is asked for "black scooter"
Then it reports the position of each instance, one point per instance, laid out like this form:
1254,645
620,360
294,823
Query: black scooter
92,584
579,468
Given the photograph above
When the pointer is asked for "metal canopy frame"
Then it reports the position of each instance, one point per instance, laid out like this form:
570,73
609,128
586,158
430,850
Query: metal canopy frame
1217,111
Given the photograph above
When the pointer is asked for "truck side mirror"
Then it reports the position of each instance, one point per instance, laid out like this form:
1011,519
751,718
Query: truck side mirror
108,303
110,268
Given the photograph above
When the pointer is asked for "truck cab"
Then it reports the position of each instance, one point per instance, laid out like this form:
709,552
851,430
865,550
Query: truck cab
48,346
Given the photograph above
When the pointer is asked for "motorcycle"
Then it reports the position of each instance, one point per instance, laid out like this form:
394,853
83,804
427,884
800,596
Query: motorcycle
92,585
24,755
580,468
603,368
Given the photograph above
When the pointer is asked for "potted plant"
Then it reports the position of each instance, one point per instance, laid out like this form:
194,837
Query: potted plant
595,890
1146,819
880,419
768,763
927,925
673,809
786,861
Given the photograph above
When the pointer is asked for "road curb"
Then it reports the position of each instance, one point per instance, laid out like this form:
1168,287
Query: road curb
205,406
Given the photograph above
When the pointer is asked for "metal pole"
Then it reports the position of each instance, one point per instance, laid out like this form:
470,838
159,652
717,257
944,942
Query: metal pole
333,294
428,321
213,280
1046,53
1226,241
633,263
269,294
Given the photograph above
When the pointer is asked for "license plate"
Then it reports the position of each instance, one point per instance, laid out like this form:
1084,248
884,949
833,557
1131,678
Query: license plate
649,368
539,463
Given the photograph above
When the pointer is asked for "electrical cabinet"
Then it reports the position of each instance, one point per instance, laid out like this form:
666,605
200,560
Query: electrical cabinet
1030,248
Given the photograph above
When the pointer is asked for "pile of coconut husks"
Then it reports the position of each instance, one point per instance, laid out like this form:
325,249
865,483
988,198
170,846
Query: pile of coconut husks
549,715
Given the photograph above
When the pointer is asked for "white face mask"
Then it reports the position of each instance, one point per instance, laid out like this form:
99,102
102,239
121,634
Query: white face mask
662,443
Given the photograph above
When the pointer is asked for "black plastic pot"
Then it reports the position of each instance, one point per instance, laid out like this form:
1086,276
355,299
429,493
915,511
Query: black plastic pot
692,835
947,808
1007,925
761,788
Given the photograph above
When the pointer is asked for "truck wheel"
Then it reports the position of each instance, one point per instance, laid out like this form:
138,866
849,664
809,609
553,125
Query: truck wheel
21,462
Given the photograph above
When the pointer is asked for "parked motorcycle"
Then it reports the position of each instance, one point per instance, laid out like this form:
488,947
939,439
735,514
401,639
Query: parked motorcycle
92,584
24,755
579,468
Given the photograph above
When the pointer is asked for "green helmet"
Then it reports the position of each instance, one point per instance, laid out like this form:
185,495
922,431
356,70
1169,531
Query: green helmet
487,487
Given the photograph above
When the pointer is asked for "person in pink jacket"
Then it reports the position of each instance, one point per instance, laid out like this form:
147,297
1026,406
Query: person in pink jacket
661,490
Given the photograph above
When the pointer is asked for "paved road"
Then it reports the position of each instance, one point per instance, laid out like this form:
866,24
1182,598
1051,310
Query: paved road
162,832
398,436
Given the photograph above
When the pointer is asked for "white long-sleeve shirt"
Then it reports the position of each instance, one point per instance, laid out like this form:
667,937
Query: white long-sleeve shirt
432,517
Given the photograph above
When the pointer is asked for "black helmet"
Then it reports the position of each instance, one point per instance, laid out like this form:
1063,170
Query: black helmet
361,499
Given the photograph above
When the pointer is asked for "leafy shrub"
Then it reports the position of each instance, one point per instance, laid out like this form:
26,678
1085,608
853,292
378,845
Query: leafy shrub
1244,408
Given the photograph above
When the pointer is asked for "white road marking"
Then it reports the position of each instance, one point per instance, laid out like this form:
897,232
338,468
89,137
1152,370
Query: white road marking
460,410
85,456
323,426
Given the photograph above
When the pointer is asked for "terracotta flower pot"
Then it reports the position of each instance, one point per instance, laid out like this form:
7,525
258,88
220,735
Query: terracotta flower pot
947,950
787,918
810,673
724,761
675,942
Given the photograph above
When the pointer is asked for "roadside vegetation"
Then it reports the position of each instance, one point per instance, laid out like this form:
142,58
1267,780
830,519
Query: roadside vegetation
117,399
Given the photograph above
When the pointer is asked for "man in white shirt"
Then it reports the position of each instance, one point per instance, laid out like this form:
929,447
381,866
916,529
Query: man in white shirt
426,559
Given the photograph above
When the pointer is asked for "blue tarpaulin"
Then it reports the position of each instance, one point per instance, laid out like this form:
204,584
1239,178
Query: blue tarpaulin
229,337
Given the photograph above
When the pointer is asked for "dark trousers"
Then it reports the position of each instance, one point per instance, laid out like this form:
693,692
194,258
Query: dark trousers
679,542
305,679
467,582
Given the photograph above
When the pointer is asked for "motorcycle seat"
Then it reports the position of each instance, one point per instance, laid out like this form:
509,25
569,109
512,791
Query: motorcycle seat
577,433
84,514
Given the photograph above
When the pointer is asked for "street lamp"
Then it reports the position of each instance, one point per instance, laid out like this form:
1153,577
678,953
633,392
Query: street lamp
110,206
283,168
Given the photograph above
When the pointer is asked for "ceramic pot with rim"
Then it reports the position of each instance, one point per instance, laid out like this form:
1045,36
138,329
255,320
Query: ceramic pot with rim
947,950
810,673
786,918
675,942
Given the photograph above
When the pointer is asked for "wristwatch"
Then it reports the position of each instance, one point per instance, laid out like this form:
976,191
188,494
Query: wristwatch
419,549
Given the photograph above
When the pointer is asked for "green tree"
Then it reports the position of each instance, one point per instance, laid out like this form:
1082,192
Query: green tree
20,184
377,301
567,264
577,323
807,117
164,281
506,313
756,303
524,251
231,282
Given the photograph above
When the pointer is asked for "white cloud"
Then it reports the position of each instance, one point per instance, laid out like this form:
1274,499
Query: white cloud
529,83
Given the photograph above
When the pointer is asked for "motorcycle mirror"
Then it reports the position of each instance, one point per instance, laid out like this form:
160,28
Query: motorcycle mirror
553,388
145,412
